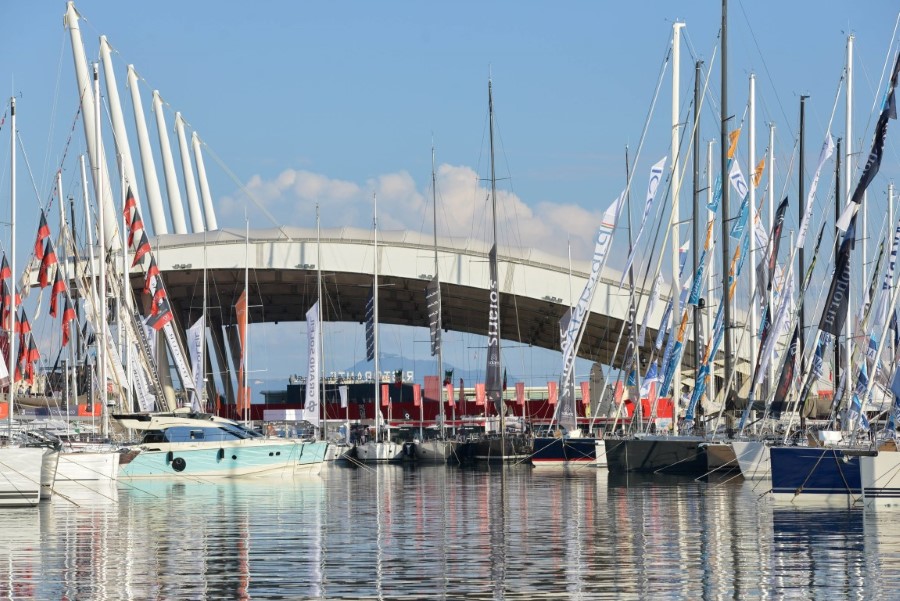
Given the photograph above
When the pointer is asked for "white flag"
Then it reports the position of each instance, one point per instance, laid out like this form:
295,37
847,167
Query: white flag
824,155
343,390
311,408
194,341
655,176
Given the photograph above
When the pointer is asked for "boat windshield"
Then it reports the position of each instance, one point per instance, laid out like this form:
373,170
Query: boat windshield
195,434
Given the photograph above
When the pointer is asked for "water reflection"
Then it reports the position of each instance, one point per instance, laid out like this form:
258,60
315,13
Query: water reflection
442,533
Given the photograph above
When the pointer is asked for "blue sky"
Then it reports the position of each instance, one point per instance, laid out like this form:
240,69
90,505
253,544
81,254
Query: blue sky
328,102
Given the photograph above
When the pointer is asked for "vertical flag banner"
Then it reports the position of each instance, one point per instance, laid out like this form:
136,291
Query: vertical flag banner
313,342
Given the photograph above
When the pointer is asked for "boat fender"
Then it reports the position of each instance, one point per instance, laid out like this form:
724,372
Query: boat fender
406,415
178,464
168,457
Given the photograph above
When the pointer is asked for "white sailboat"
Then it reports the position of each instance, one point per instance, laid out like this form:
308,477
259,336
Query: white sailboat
381,448
26,473
436,450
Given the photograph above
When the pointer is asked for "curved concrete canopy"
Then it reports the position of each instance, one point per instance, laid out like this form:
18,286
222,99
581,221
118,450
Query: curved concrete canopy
282,274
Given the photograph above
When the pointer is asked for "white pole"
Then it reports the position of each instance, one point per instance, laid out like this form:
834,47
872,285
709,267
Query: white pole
126,165
190,186
102,339
175,206
99,170
848,174
209,210
771,223
375,319
148,164
751,160
11,336
676,215
245,355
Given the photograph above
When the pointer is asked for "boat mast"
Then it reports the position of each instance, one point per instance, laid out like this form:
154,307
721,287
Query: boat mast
440,349
695,245
101,241
375,319
321,341
245,355
723,166
492,385
676,212
12,266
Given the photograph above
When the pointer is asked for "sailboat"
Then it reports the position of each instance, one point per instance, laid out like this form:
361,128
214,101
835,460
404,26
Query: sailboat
436,450
498,445
381,447
26,472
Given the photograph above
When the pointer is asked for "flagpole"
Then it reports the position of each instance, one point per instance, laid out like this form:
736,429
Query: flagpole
12,260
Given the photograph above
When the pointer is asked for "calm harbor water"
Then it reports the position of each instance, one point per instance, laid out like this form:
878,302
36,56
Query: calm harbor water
397,532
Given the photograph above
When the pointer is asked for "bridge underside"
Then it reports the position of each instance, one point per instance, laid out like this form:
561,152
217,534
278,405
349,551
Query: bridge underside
287,294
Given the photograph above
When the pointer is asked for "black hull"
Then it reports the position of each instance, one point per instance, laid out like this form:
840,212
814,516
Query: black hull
491,450
667,455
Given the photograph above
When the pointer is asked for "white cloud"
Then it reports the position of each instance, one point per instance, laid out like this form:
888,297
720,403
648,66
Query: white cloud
464,208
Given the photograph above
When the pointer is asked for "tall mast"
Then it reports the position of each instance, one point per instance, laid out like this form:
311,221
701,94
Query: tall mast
492,379
751,190
11,334
245,355
676,212
437,278
711,277
848,177
801,194
695,246
375,319
723,166
101,241
321,343
771,222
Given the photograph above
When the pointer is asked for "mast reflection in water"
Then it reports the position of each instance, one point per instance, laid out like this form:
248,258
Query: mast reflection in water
442,533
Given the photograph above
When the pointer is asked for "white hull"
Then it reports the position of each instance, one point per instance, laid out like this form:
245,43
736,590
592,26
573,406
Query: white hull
435,451
880,477
337,451
249,457
600,450
81,466
23,470
373,452
49,465
754,459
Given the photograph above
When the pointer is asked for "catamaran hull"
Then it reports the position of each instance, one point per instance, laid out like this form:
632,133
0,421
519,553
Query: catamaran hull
816,474
49,464
565,452
377,452
225,460
435,451
667,455
720,458
21,475
753,458
88,466
880,479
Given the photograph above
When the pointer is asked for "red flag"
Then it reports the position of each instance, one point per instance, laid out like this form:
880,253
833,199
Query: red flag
152,272
43,232
585,393
520,393
5,271
136,224
68,317
59,286
480,394
449,388
162,316
142,249
48,260
417,395
22,325
33,353
385,395
158,297
130,203
21,363
551,393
